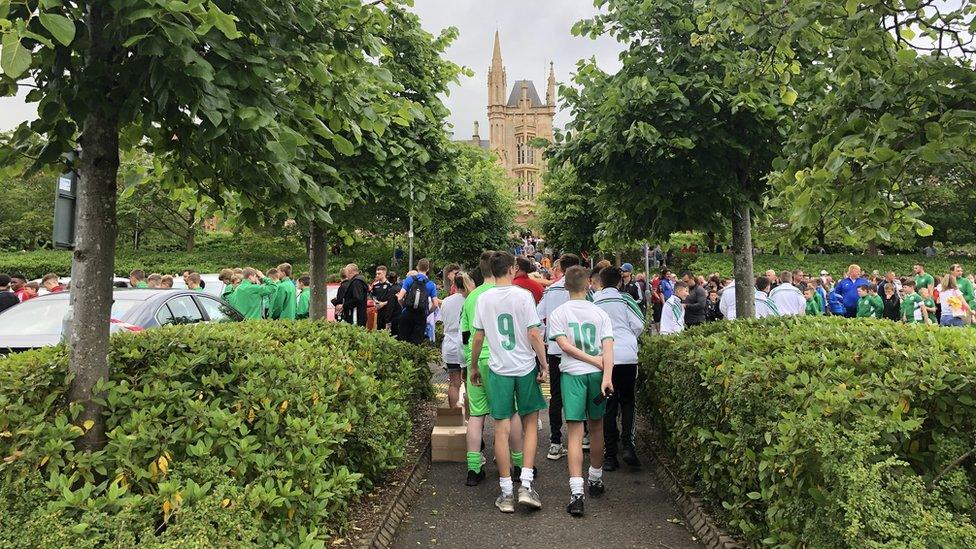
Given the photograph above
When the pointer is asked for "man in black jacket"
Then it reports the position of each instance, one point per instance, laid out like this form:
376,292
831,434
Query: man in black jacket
382,298
695,303
355,296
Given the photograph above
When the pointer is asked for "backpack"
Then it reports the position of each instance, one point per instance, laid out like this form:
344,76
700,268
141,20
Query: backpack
416,299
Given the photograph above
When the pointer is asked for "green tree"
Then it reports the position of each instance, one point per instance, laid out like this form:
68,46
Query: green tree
886,99
568,215
206,86
667,144
473,212
399,146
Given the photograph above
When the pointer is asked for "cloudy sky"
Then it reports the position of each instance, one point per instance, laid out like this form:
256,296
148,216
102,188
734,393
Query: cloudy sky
533,33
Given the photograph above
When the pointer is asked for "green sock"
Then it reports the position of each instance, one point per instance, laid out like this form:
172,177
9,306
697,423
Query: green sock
517,459
474,461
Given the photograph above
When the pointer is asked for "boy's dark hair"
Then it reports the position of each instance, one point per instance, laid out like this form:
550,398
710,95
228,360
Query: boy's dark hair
665,272
484,266
873,287
687,273
611,277
595,272
681,285
4,280
568,260
306,280
865,287
577,279
501,262
137,274
762,283
908,282
524,265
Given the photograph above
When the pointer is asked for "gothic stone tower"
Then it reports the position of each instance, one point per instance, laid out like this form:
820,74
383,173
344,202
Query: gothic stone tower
515,119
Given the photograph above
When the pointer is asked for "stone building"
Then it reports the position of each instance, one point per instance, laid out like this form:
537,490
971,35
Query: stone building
516,116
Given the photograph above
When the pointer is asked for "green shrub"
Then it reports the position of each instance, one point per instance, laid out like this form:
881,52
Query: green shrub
213,253
821,432
835,264
258,433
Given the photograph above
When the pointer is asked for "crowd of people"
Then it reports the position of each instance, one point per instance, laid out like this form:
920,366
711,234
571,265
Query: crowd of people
916,298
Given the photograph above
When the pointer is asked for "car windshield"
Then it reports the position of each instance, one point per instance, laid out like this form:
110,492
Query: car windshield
44,316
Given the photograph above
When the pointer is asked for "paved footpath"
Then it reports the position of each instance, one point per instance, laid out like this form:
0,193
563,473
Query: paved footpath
634,512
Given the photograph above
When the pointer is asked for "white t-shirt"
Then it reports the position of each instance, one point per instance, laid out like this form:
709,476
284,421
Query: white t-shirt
586,326
672,316
505,314
789,300
553,296
450,315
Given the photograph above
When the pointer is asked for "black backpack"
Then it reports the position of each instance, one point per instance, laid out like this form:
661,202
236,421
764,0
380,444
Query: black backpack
416,298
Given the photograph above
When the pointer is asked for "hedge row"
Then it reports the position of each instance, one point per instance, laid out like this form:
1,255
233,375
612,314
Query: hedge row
205,259
835,264
254,434
822,432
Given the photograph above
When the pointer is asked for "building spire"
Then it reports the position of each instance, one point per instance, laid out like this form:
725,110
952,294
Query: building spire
551,91
497,82
496,59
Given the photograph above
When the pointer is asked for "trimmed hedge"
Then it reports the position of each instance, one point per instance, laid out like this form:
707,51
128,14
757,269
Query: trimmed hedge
835,264
821,432
213,253
253,434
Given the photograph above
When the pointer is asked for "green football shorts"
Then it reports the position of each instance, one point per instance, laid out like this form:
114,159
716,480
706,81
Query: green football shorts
477,396
514,393
579,392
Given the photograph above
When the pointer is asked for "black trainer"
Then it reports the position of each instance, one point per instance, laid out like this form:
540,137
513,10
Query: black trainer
596,488
610,463
575,506
630,457
475,479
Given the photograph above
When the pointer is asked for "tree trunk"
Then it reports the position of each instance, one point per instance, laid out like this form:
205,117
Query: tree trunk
872,248
191,238
822,234
318,259
711,241
745,289
96,227
618,256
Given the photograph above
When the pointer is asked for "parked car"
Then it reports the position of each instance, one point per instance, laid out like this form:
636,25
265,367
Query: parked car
39,322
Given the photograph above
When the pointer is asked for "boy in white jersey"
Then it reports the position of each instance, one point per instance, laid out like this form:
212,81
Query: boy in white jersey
507,319
673,317
584,333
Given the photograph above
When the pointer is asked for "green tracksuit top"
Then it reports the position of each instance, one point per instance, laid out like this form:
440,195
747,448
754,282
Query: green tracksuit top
283,302
248,298
304,299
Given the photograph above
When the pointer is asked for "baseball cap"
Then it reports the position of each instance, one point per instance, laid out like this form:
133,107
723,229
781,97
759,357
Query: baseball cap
627,268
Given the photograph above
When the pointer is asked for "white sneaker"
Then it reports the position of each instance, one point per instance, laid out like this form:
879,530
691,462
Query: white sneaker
556,451
506,504
529,497
586,442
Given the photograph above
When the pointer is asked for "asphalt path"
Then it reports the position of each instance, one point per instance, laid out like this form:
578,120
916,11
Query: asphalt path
634,512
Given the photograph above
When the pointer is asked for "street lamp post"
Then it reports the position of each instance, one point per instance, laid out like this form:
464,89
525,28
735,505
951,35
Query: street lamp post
410,233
